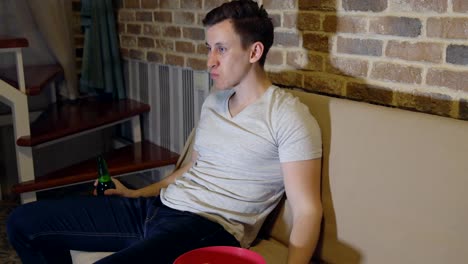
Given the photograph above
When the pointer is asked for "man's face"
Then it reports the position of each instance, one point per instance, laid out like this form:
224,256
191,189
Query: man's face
228,63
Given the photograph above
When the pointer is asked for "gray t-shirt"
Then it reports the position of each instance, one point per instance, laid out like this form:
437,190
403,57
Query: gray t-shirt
237,179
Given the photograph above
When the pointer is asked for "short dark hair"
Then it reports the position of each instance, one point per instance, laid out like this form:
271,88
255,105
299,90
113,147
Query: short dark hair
250,21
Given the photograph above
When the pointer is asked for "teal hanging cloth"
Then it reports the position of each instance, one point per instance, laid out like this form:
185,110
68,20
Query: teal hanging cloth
101,71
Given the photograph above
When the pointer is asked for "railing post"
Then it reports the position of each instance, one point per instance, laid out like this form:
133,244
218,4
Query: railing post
20,70
18,102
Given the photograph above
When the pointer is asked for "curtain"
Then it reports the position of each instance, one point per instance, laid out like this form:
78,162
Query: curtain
53,19
101,71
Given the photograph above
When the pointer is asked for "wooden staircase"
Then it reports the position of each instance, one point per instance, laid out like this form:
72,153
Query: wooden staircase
65,120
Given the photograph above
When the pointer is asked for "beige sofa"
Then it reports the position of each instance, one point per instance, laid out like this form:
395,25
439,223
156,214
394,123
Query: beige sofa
394,187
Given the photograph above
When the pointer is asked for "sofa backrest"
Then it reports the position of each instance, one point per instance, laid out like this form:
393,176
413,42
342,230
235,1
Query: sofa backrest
393,185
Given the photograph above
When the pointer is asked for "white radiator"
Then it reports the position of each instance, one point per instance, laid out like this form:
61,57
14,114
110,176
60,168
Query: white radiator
175,95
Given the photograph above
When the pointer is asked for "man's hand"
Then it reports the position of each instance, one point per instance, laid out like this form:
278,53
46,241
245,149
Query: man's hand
120,190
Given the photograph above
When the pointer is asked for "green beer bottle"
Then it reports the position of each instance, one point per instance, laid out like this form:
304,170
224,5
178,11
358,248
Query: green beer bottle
104,180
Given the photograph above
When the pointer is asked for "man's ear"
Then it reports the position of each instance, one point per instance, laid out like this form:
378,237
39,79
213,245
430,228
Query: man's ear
256,51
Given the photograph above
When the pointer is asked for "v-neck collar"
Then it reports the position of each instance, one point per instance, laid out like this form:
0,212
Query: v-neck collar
232,92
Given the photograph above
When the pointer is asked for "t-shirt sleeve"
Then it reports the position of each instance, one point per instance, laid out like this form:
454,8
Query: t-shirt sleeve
298,133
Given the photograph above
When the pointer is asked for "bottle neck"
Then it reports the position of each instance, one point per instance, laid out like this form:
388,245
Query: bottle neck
103,172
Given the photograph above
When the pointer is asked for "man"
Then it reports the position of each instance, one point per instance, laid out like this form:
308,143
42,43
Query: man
253,142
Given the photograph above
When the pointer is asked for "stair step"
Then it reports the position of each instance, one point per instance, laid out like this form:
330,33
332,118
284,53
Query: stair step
36,77
133,158
69,118
13,42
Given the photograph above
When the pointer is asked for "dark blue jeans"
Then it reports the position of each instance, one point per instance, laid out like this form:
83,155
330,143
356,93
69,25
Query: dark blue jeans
138,230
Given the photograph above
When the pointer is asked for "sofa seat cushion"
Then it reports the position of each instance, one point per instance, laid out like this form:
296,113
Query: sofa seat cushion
272,250
86,257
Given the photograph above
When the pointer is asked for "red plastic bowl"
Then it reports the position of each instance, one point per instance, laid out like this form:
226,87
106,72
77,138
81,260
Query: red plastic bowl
220,255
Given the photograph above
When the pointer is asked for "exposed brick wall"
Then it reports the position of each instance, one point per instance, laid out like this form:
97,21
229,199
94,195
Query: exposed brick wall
411,54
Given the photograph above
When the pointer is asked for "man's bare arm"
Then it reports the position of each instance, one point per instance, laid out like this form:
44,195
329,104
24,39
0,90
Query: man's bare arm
302,185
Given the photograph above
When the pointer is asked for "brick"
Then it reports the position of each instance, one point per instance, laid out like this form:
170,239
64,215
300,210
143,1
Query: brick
457,54
121,28
197,64
396,73
165,44
184,47
463,109
370,47
422,6
290,20
174,60
457,80
185,18
132,3
191,4
318,5
450,28
275,57
316,42
163,16
194,33
432,103
289,78
200,16
126,16
150,4
134,28
210,4
201,49
365,5
136,54
124,52
347,67
282,5
151,30
287,39
308,21
460,6
128,41
169,4
153,56
369,93
144,42
276,20
420,51
345,24
144,16
304,60
396,26
323,83
171,32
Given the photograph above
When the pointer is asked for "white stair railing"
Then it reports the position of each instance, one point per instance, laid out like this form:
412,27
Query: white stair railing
18,102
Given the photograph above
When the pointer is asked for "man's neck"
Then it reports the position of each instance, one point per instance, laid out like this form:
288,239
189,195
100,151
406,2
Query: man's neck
252,87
